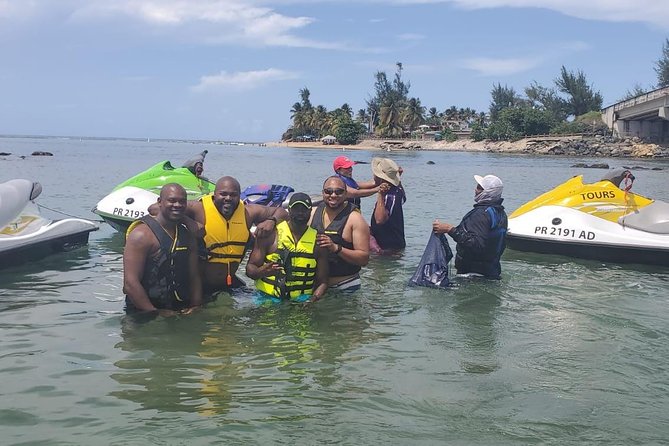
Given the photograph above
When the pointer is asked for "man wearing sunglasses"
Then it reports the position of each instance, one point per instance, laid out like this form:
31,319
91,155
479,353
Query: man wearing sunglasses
343,233
480,236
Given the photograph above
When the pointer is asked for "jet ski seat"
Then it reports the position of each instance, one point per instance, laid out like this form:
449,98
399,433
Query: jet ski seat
14,197
652,218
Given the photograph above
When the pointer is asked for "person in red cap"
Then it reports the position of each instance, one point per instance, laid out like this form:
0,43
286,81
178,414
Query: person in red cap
343,167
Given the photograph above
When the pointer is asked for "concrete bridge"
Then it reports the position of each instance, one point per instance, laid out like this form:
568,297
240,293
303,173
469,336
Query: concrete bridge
645,116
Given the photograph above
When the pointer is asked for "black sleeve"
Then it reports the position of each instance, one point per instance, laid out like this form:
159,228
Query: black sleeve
472,232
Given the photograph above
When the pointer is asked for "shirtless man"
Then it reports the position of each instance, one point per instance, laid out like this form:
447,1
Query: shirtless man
227,222
343,233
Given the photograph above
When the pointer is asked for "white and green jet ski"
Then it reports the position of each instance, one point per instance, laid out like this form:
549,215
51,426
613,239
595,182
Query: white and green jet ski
130,200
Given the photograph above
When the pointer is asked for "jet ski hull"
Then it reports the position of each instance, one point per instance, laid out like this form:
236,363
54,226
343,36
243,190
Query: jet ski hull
590,251
56,236
593,221
130,199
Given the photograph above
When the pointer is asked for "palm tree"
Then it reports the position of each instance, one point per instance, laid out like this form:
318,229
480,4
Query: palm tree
413,114
433,116
389,118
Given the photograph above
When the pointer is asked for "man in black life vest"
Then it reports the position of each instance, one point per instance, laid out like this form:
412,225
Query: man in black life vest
160,267
343,233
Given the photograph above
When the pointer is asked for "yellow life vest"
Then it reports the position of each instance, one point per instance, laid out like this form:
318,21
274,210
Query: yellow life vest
298,262
225,239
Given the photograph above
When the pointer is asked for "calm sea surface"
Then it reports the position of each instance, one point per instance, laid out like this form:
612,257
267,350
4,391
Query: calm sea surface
560,351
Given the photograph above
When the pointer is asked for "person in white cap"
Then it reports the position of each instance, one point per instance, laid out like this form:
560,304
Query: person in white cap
480,236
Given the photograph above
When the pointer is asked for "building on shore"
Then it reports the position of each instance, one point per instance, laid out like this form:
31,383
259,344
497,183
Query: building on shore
645,116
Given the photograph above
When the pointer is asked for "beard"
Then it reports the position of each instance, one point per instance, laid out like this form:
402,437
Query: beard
301,219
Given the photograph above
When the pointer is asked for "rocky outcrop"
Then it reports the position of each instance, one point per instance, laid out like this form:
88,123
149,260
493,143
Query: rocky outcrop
40,153
597,146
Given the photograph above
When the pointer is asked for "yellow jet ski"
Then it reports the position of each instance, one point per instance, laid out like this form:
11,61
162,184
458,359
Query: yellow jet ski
601,221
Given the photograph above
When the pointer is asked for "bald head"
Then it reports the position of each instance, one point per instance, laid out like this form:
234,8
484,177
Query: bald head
334,181
227,183
172,188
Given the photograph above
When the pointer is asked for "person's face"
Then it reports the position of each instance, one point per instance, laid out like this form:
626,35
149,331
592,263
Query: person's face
299,214
172,204
477,190
199,169
226,199
334,193
346,172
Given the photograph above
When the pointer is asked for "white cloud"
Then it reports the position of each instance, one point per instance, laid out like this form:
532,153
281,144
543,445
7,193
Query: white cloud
486,66
214,21
242,80
655,12
411,37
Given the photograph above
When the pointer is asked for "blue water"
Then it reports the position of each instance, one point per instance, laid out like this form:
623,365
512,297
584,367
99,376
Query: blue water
560,351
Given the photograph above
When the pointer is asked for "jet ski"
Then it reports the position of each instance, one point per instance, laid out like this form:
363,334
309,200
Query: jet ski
600,221
25,234
131,199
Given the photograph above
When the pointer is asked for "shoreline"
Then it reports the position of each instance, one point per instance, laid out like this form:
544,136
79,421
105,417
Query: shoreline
596,146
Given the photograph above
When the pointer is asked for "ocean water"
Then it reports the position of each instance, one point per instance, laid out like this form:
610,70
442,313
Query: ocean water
560,351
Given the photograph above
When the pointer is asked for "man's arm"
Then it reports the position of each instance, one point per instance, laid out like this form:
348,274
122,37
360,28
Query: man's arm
359,255
256,267
362,192
367,184
322,273
381,214
265,218
473,232
137,247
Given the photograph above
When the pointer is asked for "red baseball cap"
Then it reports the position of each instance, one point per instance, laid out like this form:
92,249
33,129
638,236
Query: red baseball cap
342,162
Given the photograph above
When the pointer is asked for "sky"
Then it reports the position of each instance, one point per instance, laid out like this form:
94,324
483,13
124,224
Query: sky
230,70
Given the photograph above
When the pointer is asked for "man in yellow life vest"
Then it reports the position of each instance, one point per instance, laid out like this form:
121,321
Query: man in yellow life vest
289,265
227,222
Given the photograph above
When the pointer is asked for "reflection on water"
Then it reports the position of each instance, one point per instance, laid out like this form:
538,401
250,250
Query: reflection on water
218,360
158,372
475,314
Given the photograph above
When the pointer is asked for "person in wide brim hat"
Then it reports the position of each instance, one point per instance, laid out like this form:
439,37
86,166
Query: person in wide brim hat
387,170
387,224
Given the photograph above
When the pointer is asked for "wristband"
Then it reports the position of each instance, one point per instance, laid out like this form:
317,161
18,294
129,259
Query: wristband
339,248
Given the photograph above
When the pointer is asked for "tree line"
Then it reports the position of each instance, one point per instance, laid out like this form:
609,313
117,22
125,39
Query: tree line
570,105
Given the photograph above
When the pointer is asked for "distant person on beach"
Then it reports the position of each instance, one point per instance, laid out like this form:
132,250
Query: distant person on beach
343,233
480,236
160,268
289,264
226,222
343,167
387,224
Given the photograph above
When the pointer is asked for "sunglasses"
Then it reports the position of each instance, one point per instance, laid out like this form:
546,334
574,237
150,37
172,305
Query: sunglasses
337,191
